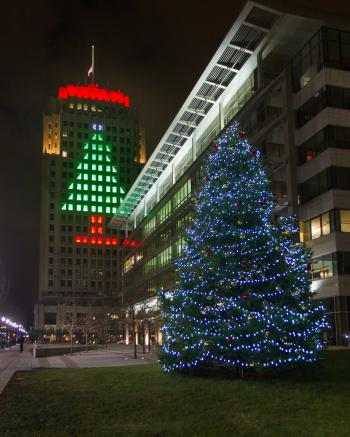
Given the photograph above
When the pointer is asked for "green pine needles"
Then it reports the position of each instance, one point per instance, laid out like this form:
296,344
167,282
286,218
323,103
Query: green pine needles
244,296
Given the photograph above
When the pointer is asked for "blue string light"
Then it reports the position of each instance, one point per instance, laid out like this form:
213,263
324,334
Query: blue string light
243,296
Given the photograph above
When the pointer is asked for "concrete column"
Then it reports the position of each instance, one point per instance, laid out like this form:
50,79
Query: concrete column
259,70
146,336
159,336
126,333
289,141
137,335
221,115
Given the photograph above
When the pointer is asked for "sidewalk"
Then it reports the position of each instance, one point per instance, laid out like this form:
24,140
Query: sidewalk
11,360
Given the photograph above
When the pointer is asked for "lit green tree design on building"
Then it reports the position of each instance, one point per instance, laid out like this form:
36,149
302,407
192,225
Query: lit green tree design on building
95,188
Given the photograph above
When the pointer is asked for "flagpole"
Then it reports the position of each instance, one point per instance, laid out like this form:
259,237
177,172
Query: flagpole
93,63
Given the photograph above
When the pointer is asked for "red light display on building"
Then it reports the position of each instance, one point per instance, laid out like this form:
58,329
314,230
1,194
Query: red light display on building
93,92
97,238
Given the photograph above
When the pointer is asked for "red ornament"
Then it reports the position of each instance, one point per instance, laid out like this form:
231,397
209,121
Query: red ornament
307,267
274,218
253,153
245,296
214,148
244,265
241,135
206,178
238,202
229,339
209,252
264,201
172,343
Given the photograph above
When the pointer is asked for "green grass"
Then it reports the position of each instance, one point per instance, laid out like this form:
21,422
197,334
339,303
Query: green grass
141,401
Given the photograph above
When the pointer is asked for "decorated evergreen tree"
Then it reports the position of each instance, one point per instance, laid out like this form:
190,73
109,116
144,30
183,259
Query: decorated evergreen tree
243,296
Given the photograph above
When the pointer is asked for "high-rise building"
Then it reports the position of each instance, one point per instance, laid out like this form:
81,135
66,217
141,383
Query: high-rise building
92,153
286,79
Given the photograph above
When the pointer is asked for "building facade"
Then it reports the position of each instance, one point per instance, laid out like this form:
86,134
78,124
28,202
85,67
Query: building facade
91,156
286,79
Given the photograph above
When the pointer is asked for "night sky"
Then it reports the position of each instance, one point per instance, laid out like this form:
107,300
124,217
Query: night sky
154,51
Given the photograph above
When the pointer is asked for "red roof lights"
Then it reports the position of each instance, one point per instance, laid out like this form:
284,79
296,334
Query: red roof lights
93,92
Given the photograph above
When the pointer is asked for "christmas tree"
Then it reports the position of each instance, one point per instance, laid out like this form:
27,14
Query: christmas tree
243,296
95,188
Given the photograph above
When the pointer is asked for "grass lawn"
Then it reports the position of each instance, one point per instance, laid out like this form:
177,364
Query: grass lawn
141,401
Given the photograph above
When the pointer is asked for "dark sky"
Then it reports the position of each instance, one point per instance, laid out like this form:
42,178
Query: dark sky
153,51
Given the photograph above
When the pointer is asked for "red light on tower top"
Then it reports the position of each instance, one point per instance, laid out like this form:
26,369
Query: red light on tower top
93,92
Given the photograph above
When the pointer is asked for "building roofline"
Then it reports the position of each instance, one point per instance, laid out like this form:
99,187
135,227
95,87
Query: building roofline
238,45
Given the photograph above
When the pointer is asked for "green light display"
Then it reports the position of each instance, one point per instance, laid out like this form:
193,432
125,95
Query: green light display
95,178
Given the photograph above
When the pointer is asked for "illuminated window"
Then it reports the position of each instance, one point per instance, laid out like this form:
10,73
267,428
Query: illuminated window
345,220
86,107
71,106
64,153
79,106
90,173
78,196
93,108
325,224
316,228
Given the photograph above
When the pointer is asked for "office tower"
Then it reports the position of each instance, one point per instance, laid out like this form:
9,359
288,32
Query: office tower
91,156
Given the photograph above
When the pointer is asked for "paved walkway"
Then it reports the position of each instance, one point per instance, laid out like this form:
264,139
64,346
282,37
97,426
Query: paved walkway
11,360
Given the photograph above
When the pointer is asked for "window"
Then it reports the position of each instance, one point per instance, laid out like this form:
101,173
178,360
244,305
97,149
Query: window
164,212
164,257
149,227
182,194
344,220
315,228
323,267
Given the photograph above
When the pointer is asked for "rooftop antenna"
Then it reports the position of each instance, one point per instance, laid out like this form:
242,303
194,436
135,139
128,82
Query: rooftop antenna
92,68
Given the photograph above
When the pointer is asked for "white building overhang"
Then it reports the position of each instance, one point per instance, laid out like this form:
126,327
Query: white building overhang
231,66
